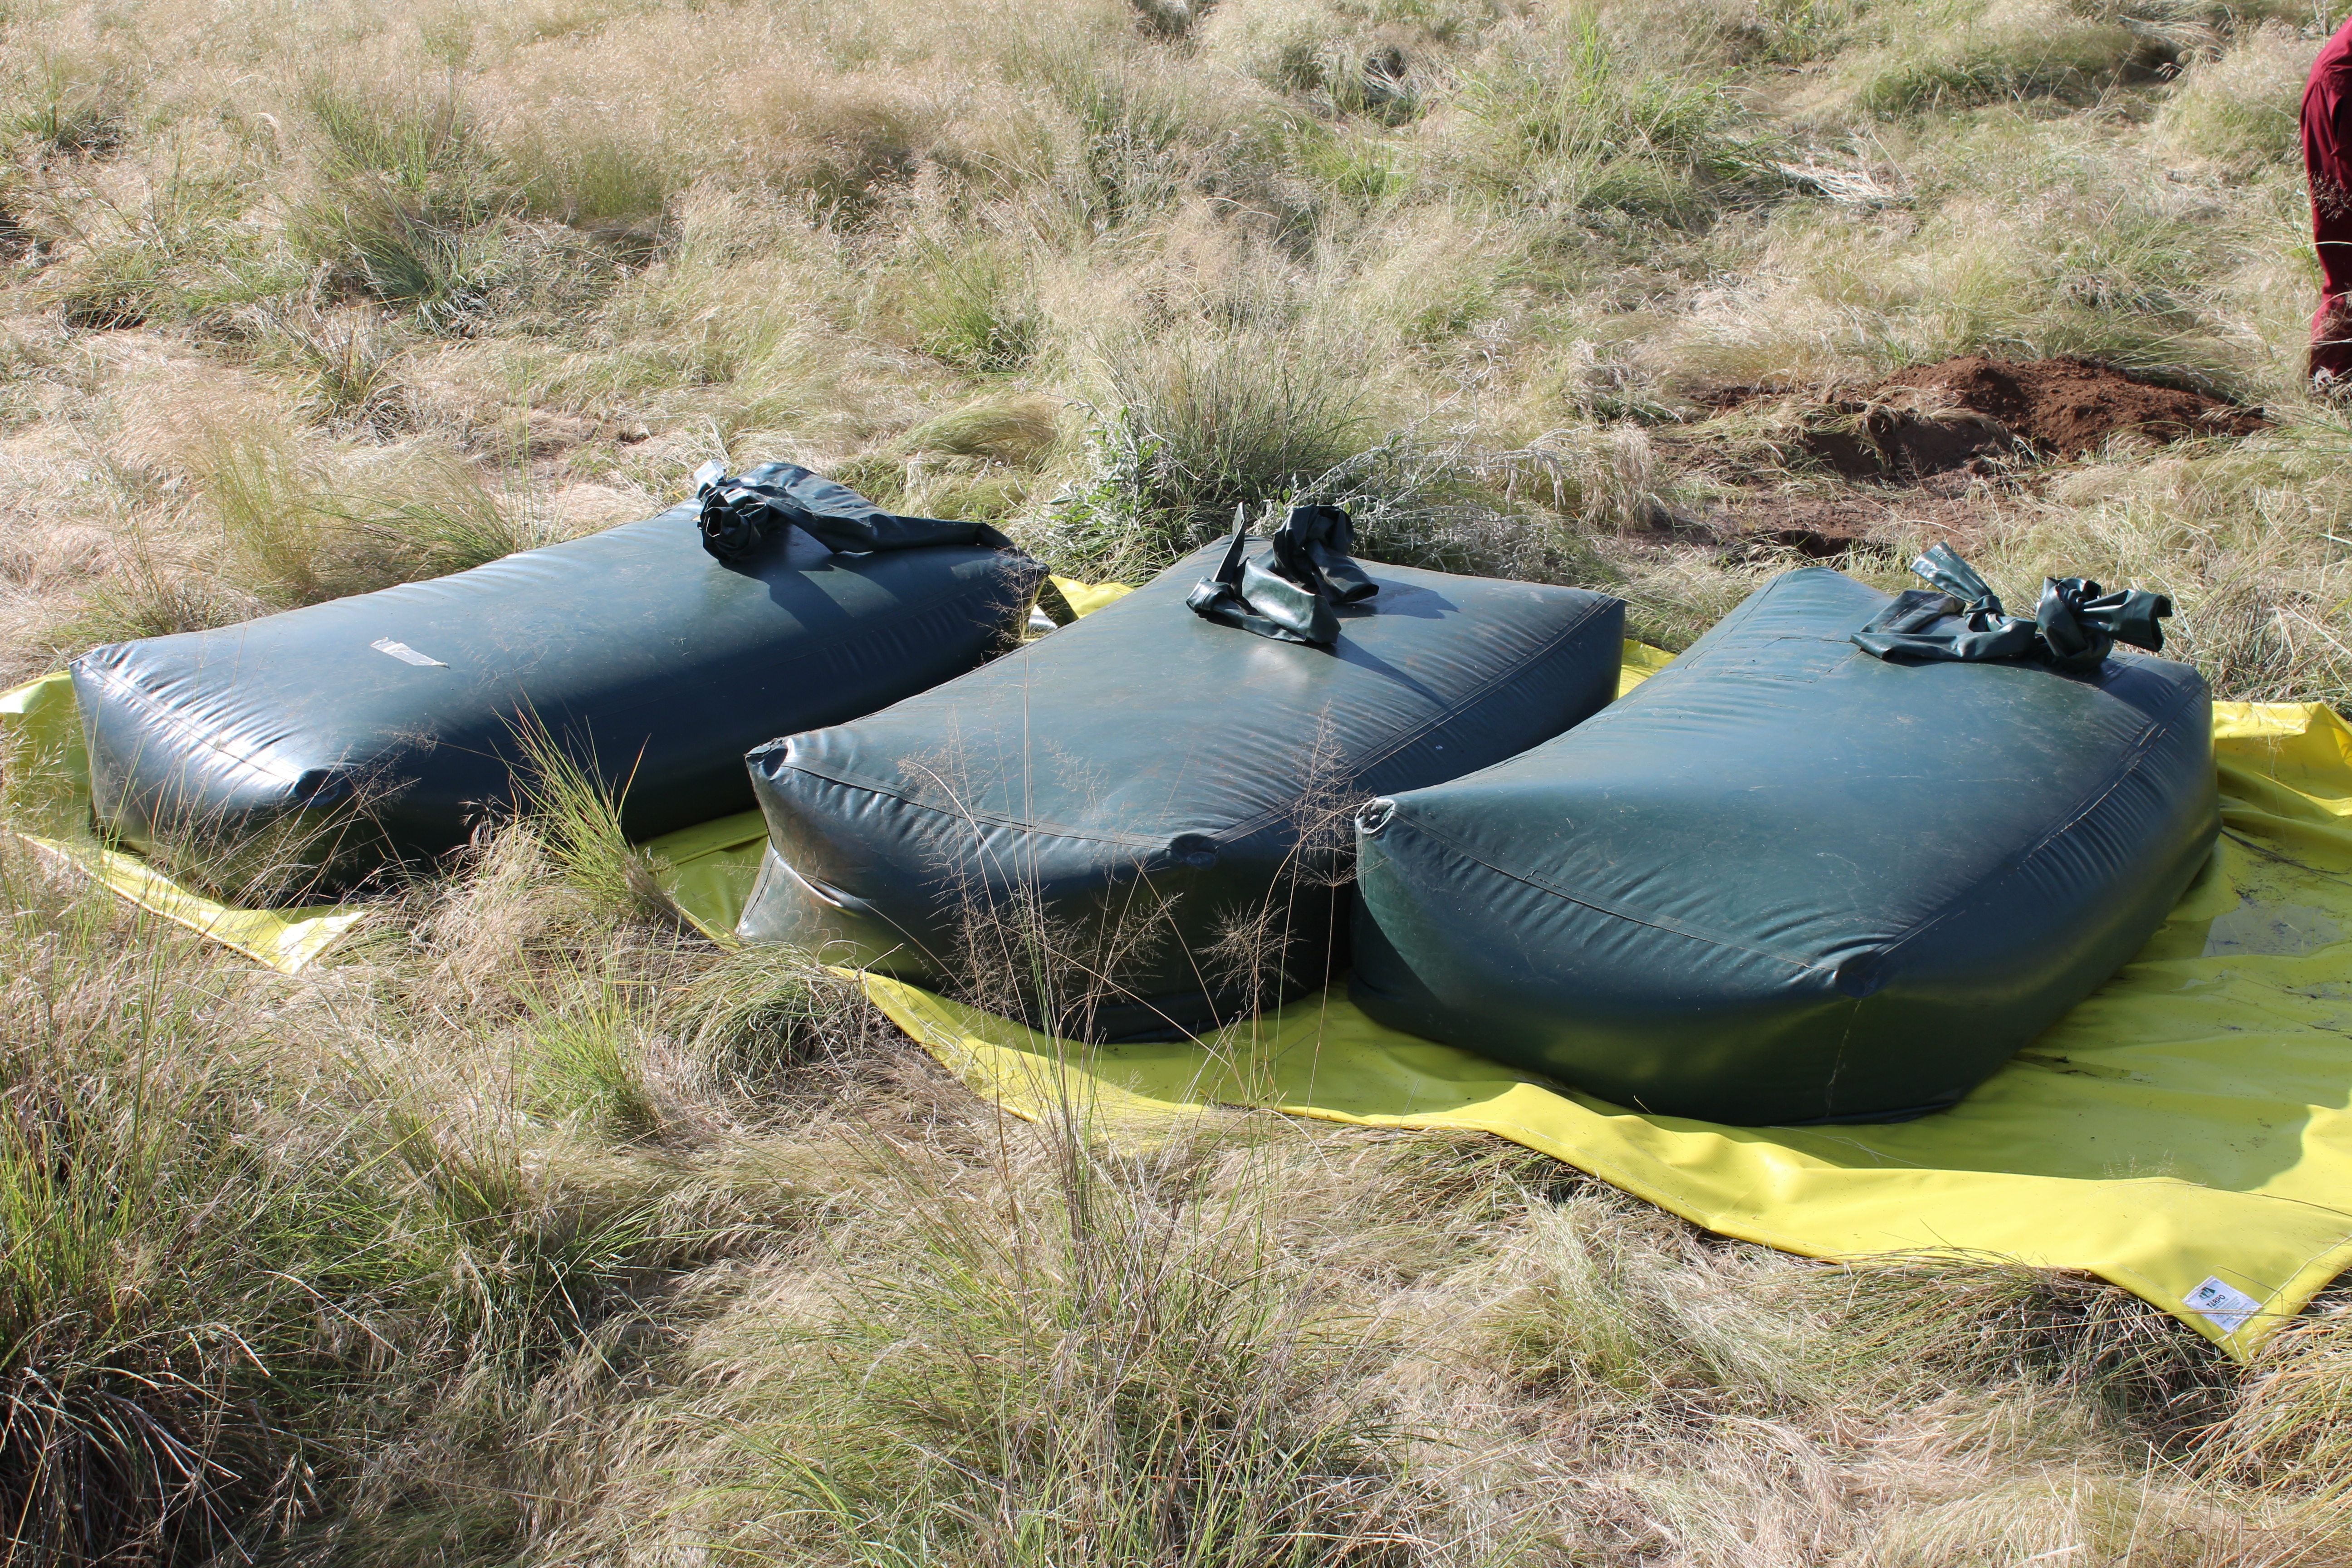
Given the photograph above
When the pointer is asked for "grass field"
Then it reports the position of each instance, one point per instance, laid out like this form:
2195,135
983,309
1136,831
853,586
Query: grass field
530,1230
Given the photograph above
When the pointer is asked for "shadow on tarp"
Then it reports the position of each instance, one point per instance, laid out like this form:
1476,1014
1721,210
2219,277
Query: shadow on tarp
2186,1133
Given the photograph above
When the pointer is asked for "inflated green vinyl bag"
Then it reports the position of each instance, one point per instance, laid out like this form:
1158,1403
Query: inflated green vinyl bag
1140,825
311,747
1837,862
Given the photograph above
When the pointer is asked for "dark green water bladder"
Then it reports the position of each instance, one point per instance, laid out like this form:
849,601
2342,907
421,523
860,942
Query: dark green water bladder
1786,881
309,749
1139,826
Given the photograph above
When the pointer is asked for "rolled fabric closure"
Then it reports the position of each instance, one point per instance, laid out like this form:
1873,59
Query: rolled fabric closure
1961,620
1294,599
738,516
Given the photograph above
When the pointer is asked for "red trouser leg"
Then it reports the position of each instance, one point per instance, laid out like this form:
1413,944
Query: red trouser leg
2331,231
2331,338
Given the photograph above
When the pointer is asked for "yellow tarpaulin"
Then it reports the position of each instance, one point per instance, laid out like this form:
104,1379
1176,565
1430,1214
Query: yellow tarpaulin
46,773
2186,1132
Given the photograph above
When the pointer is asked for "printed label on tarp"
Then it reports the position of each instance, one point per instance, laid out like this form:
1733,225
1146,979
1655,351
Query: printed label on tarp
2223,1306
405,654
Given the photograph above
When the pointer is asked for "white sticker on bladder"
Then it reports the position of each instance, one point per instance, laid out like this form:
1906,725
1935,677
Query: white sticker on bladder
2225,1305
405,654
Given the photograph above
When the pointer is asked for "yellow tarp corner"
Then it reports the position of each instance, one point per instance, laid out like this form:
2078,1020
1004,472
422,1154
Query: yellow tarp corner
46,772
1640,662
1086,598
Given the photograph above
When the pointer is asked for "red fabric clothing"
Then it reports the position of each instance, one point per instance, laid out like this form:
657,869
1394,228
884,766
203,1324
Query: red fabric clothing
2327,158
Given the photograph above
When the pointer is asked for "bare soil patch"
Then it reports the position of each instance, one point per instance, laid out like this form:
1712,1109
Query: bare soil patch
1929,447
1973,411
2067,406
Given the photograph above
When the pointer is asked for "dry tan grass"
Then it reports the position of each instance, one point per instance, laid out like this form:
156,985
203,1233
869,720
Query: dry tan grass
553,1235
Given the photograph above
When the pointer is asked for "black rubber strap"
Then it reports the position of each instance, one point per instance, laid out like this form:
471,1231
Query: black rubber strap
739,516
1292,594
2074,627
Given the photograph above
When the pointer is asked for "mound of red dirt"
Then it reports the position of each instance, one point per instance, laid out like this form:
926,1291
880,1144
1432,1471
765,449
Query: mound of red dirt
2066,406
1969,412
1920,443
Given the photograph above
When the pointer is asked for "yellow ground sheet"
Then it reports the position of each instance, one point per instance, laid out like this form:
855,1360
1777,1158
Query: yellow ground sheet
46,772
1086,598
2186,1132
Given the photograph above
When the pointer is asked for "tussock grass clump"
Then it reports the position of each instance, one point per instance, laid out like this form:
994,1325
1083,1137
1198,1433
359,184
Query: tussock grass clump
577,817
2290,1434
407,186
2241,109
974,306
1124,1361
1577,124
1201,426
1600,1316
1956,57
585,1053
300,528
160,1344
70,107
